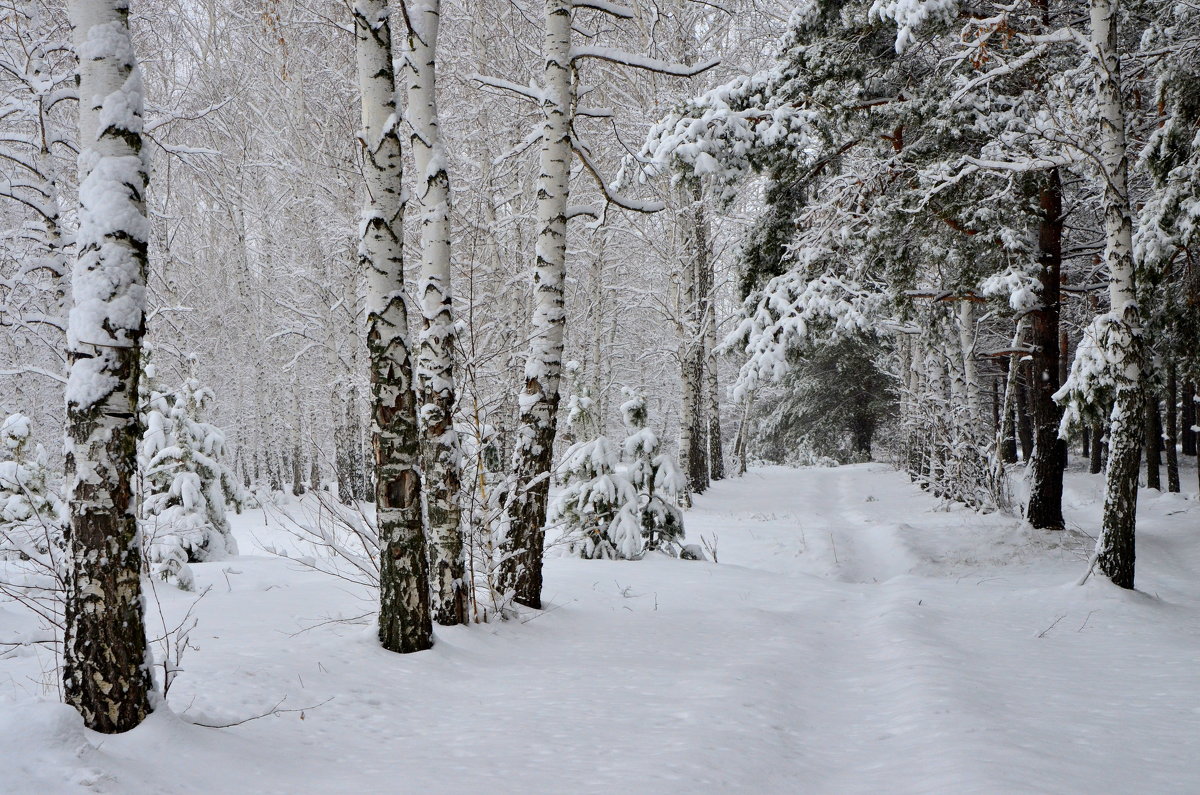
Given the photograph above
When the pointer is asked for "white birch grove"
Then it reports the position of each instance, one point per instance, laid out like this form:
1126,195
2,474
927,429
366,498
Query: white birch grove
855,237
105,674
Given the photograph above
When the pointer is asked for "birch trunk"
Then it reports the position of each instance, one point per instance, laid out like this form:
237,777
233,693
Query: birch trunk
404,623
1006,438
939,442
105,671
1115,546
520,570
440,454
708,312
966,342
741,443
693,450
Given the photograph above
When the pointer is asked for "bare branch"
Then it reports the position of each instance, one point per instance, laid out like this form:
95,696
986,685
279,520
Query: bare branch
613,55
636,205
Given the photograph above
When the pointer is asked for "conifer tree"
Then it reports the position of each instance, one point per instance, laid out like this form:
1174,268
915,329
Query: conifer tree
655,477
185,486
31,512
597,509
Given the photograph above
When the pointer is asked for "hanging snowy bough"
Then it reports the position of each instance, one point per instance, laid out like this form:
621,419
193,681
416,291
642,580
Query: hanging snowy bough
1021,289
912,14
1103,364
730,132
793,310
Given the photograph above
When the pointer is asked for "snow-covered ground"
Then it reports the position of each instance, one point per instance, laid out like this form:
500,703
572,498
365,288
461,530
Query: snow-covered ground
854,637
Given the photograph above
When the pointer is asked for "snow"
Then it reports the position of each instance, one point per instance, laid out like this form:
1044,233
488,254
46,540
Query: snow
856,636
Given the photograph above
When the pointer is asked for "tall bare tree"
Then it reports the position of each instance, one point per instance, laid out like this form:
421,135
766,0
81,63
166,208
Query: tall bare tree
440,451
404,621
105,675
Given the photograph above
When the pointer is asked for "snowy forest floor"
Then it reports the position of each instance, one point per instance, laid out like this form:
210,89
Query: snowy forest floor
854,637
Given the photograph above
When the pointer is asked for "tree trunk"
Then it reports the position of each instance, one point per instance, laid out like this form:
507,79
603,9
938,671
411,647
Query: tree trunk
1024,421
520,570
1008,433
296,460
1153,439
995,406
105,675
741,443
1188,408
1115,552
1044,510
404,622
693,449
708,313
1064,369
440,454
1172,435
1096,460
360,477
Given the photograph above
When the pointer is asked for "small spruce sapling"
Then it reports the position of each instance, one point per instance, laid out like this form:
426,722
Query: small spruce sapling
654,476
31,511
598,506
185,485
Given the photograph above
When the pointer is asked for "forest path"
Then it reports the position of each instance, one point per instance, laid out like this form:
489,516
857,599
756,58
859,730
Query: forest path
854,637
944,650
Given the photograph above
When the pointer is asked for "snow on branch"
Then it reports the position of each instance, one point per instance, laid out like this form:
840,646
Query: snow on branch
531,92
910,15
612,9
793,310
730,131
582,211
636,205
613,55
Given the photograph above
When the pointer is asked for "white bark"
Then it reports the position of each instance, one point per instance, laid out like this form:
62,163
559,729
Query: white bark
104,647
440,453
404,621
693,447
1115,545
966,340
521,548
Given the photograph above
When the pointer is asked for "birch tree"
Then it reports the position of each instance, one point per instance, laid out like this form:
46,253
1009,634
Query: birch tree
404,620
1112,346
105,675
520,571
521,546
440,453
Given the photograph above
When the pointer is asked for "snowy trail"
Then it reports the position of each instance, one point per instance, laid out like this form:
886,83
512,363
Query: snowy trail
853,638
